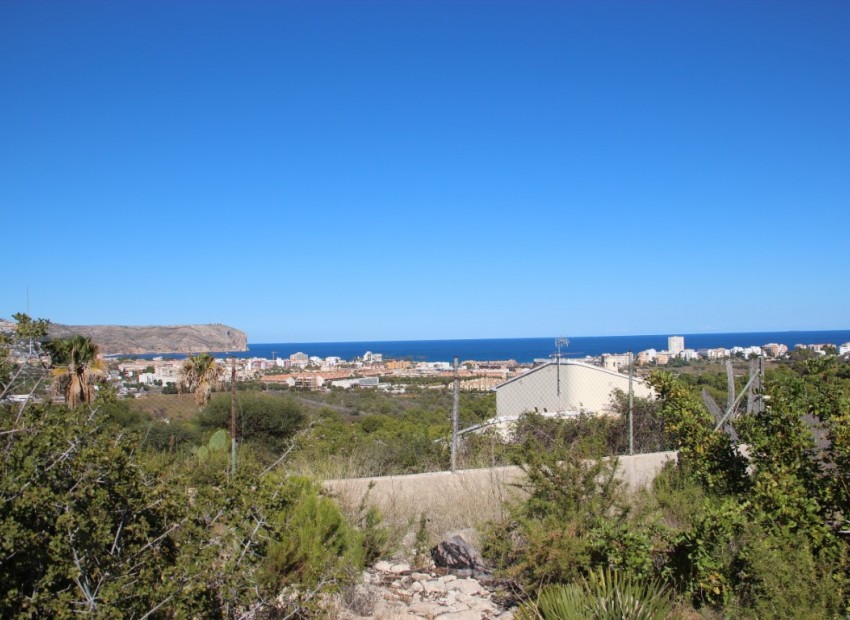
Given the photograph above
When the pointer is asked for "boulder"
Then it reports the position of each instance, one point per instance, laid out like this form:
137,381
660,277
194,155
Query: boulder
457,553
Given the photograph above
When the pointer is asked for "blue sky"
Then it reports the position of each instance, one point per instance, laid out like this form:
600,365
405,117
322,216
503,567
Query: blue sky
321,171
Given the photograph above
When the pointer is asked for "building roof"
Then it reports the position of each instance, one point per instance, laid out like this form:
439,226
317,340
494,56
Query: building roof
599,369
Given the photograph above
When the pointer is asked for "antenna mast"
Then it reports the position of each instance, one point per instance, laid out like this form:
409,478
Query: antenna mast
560,342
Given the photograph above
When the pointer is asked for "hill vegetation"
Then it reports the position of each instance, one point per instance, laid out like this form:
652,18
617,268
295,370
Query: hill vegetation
130,508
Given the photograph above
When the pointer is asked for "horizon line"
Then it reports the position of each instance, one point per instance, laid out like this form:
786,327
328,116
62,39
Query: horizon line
660,335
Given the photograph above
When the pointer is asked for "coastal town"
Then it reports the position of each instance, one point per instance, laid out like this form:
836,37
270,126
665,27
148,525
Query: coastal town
301,371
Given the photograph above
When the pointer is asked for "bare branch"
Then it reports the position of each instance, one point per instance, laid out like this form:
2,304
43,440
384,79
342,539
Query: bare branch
291,447
153,610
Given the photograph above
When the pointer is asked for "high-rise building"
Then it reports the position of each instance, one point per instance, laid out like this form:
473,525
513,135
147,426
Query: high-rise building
676,344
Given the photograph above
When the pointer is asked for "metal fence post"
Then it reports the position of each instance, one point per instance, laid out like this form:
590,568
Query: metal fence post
455,410
233,417
631,407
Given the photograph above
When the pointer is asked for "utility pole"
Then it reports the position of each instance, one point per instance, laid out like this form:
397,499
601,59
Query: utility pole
233,417
455,410
631,408
559,342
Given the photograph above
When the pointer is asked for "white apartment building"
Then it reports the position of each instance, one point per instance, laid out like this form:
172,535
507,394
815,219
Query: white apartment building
167,372
675,345
299,359
716,354
746,352
616,361
646,357
774,349
689,355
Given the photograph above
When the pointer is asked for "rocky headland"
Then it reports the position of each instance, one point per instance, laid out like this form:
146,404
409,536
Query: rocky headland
140,340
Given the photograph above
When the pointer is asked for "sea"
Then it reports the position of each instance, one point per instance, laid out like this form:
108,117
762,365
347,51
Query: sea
526,350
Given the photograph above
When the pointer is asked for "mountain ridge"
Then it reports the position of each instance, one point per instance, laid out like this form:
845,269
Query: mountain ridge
146,339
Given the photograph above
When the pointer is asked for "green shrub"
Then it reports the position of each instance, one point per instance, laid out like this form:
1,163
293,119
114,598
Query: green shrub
92,525
558,533
704,558
783,578
265,419
310,539
705,454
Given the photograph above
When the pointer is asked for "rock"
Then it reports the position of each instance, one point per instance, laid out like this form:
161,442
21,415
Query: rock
434,587
114,339
426,608
460,615
397,611
480,604
457,553
467,586
408,595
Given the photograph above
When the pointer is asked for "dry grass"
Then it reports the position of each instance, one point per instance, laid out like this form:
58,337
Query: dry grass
465,499
449,501
172,406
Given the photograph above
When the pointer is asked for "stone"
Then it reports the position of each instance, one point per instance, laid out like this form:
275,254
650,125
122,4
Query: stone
397,611
457,553
459,615
426,608
467,586
383,566
433,587
482,605
398,569
418,595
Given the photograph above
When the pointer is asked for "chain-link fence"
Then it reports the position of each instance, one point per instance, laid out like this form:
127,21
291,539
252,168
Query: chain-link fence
609,410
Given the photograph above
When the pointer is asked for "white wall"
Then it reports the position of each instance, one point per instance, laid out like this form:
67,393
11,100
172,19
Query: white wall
583,388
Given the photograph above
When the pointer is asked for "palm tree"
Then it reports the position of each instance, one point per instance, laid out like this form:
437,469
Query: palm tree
199,373
77,366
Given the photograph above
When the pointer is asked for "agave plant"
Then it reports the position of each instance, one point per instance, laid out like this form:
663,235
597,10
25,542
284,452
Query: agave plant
78,366
604,595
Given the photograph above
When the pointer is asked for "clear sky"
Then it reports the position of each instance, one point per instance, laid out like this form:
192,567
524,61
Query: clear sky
321,171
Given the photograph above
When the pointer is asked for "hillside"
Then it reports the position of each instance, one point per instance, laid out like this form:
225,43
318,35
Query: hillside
135,340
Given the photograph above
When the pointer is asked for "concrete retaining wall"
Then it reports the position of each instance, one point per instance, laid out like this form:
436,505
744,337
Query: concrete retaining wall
464,498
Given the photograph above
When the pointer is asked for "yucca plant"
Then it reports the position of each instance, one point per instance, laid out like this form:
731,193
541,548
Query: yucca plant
605,595
557,602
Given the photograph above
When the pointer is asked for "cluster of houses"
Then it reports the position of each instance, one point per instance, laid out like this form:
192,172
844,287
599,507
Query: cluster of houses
304,372
559,387
676,350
